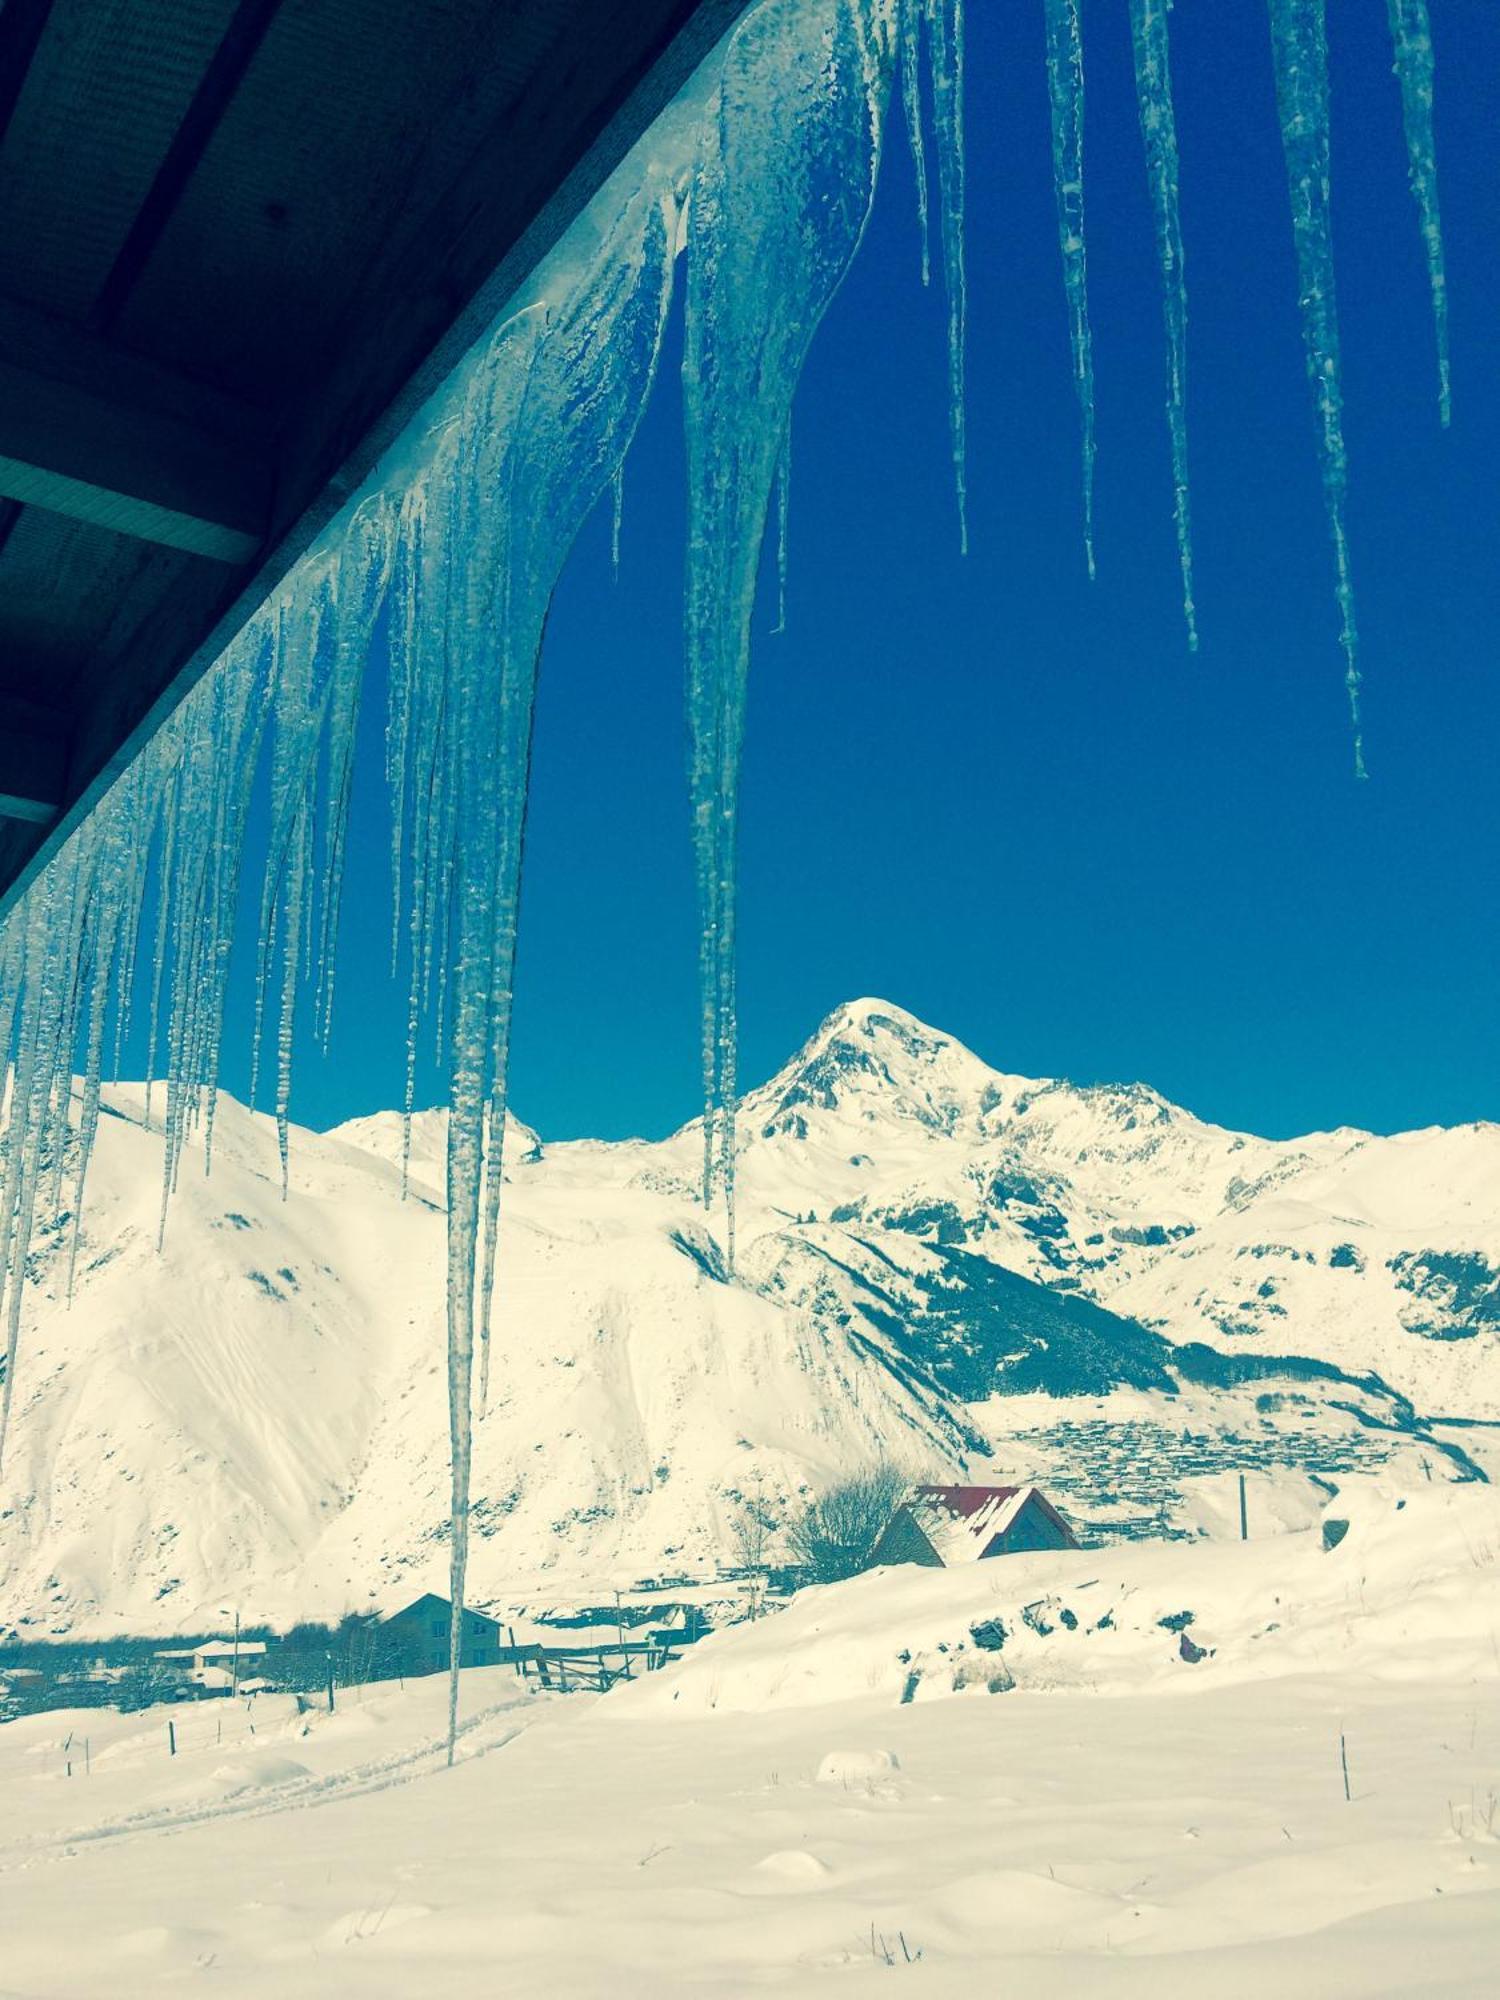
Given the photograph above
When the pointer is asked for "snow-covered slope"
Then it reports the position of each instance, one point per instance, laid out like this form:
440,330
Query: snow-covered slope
938,1263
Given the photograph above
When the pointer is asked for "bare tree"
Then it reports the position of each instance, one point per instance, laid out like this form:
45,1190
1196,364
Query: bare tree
754,1531
834,1536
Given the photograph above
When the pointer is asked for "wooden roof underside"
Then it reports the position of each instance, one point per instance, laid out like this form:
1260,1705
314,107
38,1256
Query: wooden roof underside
240,242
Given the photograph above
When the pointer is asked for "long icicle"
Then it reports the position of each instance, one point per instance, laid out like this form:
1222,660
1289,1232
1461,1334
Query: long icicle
945,45
1065,89
549,420
364,575
1299,42
804,85
1153,84
1411,40
912,12
783,523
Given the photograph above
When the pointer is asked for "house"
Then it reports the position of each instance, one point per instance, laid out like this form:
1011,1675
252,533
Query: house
943,1526
682,1625
418,1636
217,1662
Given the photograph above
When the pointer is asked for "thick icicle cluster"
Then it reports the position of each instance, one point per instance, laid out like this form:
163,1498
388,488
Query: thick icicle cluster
801,96
442,570
801,106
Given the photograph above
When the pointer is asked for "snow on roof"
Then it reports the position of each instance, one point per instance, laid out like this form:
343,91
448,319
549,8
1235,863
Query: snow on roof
429,1604
223,1649
962,1521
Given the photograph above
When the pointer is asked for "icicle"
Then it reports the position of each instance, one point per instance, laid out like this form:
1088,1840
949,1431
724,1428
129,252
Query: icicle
783,516
945,41
1065,86
364,572
159,952
315,678
911,99
548,419
1300,45
617,517
781,195
1411,38
241,726
37,1121
401,657
1153,83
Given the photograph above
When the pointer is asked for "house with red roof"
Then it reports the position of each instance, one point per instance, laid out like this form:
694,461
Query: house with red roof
943,1526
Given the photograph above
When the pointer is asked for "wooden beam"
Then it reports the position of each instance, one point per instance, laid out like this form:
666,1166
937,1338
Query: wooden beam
464,245
243,36
484,233
103,437
21,25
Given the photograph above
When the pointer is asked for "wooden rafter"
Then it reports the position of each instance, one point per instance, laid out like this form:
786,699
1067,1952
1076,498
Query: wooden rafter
242,38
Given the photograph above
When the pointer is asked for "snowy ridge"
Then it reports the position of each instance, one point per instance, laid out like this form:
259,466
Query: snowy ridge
972,1272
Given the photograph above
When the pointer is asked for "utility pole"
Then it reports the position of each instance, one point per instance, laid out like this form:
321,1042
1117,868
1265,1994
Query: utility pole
234,1678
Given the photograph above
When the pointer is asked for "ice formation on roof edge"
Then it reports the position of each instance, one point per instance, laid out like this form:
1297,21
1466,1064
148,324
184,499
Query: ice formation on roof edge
764,173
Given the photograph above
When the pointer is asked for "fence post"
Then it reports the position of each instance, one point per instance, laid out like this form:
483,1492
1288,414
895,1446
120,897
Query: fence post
171,1739
1244,1518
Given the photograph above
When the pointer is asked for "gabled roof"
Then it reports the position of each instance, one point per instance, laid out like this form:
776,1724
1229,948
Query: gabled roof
962,1521
430,1604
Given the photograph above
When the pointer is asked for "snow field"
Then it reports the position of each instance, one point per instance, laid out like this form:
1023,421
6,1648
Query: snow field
804,1832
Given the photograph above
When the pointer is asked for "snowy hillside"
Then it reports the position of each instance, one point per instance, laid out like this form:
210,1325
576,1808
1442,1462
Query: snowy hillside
939,1263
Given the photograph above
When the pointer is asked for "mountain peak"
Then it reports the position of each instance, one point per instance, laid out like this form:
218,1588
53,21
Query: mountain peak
882,1022
872,1060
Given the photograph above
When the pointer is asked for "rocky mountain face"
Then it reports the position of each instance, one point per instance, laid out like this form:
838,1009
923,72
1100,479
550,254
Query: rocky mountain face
970,1272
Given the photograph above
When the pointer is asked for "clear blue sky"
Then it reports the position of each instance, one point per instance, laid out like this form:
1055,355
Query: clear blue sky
1007,799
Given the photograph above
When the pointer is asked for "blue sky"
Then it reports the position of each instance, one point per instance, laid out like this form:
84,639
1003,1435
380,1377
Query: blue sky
1006,798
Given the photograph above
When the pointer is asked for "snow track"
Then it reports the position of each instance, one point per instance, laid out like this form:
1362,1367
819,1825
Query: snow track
361,1780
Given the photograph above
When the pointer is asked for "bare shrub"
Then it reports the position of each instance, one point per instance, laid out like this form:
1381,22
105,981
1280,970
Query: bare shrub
834,1536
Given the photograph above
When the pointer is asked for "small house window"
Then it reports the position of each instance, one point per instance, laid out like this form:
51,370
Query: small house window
439,1626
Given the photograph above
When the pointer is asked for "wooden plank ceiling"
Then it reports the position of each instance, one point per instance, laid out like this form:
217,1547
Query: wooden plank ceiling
240,241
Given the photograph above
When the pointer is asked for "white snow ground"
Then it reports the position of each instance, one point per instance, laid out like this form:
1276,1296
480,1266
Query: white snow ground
262,1409
768,1816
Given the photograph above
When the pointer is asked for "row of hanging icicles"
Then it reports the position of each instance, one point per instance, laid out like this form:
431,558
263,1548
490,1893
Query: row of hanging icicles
443,572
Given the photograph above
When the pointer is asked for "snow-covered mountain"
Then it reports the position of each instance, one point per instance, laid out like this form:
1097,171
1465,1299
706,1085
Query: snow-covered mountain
938,1262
